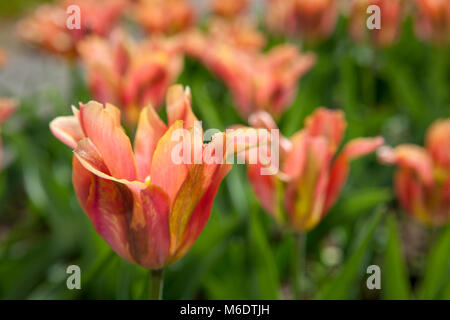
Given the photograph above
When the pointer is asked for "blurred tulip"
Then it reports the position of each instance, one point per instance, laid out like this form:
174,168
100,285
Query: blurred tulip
316,18
130,74
257,81
391,14
311,174
147,208
422,182
433,20
46,26
97,16
229,8
313,20
163,16
240,33
7,108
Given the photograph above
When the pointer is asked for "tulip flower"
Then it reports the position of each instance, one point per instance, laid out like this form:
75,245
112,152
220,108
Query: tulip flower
163,16
257,81
229,8
240,33
149,209
313,20
422,181
97,16
130,74
391,13
311,172
7,108
46,27
433,20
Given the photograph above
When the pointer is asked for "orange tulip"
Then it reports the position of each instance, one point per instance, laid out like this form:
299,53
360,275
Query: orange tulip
391,12
97,16
422,182
7,108
311,175
147,208
130,74
229,8
257,81
46,27
163,16
239,33
433,20
313,20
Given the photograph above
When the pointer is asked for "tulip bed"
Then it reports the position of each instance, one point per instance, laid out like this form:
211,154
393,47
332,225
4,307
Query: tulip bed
393,91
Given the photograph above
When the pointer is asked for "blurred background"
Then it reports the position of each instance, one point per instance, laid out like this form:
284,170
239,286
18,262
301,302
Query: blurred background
394,90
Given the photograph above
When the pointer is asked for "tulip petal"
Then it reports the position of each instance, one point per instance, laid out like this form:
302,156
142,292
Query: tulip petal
155,230
410,156
90,159
201,212
67,130
101,124
328,123
305,196
341,167
296,158
178,106
107,204
438,142
150,129
264,187
164,172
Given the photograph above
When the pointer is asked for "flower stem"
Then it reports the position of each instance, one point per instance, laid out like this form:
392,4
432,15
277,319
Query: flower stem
156,284
299,264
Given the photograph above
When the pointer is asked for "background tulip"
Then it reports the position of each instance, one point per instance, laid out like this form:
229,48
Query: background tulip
257,81
313,20
391,14
433,20
130,74
163,16
422,181
311,174
46,27
230,8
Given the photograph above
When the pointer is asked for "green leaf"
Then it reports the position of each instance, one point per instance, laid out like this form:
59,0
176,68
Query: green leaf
339,287
263,260
437,269
395,276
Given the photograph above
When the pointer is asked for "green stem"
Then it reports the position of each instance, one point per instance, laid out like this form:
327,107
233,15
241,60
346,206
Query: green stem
156,284
299,264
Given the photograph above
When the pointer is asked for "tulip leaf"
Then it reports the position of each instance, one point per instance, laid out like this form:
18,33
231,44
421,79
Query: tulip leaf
394,275
340,286
437,269
264,264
